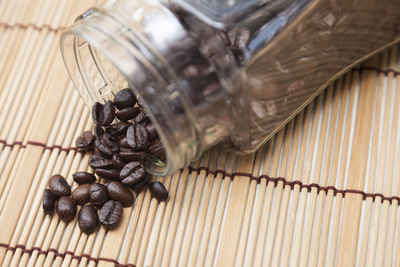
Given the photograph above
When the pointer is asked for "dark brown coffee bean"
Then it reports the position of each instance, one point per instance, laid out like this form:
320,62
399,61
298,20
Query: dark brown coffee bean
120,193
124,99
123,143
128,155
84,178
118,164
85,141
59,186
111,213
156,148
111,142
118,128
66,208
108,173
98,195
96,160
132,173
109,113
136,136
158,191
142,184
49,201
151,131
98,131
142,118
103,115
103,149
88,219
127,114
81,194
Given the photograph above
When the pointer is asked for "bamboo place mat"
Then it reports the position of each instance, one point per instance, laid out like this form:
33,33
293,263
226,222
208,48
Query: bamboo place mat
323,192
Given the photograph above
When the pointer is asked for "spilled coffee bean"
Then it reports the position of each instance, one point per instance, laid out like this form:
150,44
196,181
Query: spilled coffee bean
110,214
111,141
59,186
123,143
118,128
142,118
103,148
127,114
118,164
85,141
98,132
96,160
158,191
84,178
88,219
98,195
117,191
81,194
66,208
49,201
107,173
136,136
103,115
124,99
132,173
128,155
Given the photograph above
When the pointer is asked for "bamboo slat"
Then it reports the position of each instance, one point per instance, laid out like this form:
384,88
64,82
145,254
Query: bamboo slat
323,192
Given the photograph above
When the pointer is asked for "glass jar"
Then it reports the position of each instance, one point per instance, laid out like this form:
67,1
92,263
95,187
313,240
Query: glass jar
221,71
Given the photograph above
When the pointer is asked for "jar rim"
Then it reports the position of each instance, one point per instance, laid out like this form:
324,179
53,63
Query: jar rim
83,30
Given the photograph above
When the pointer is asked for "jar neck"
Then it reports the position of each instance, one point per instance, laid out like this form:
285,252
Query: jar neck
148,49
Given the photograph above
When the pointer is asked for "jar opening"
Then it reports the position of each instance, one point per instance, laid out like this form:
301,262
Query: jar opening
98,76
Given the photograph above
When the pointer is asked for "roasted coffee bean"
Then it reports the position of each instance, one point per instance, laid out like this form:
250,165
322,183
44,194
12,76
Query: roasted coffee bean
85,141
59,186
158,191
49,201
156,148
111,142
128,155
84,178
107,145
123,143
96,160
124,99
98,195
66,208
132,173
103,148
120,193
142,118
108,173
88,219
98,131
127,114
142,184
103,115
136,136
111,213
118,128
151,131
118,164
81,194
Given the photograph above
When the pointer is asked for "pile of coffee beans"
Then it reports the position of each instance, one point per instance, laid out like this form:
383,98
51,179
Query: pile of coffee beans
122,138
